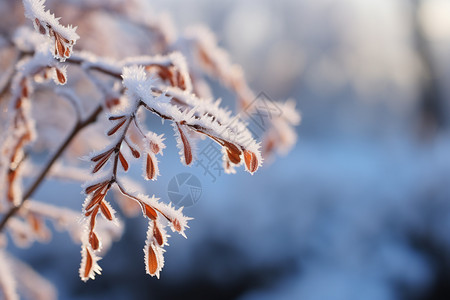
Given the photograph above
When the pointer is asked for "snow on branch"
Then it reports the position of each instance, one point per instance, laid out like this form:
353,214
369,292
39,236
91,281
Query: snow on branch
46,23
114,94
191,114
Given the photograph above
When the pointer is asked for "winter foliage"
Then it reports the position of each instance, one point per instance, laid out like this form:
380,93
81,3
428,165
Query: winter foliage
47,24
99,101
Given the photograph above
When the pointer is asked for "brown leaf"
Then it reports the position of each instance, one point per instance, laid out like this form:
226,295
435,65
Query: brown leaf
233,157
60,75
150,168
181,81
152,261
35,222
123,161
95,200
101,155
101,163
171,78
93,218
94,187
165,74
176,225
233,152
135,152
100,192
59,46
39,25
93,240
154,147
251,161
88,266
157,234
186,146
115,128
150,212
113,118
105,211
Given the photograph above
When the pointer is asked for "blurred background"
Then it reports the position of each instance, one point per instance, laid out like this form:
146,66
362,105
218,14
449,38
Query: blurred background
359,209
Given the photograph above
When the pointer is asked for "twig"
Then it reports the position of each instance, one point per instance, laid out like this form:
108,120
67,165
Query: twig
78,127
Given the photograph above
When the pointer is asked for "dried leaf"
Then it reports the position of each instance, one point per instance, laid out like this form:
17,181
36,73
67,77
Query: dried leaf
114,118
105,211
89,266
93,240
35,222
176,225
251,161
115,128
60,75
89,261
186,146
181,83
39,26
96,198
123,162
150,212
152,261
154,147
93,218
233,152
59,46
94,187
101,155
157,234
134,152
150,168
101,163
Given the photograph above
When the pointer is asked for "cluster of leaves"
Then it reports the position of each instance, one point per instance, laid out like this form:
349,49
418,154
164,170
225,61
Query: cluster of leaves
160,84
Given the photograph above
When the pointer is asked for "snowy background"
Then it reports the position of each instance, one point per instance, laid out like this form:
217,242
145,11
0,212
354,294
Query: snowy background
359,209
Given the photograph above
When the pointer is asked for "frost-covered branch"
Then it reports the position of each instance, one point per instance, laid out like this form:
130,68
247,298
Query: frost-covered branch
64,38
116,92
49,164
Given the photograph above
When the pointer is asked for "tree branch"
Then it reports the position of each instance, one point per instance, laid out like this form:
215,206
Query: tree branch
34,186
